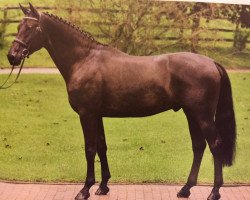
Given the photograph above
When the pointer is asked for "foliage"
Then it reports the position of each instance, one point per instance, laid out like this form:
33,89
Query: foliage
240,15
197,12
131,26
137,26
168,27
41,138
129,33
2,32
1,37
128,25
240,39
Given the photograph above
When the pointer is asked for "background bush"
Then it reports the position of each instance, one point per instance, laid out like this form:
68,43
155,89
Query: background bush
219,31
2,31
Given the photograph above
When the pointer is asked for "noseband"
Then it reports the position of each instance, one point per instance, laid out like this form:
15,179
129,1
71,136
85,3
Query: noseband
25,54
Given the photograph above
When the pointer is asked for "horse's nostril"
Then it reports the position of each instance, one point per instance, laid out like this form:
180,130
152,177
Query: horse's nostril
11,57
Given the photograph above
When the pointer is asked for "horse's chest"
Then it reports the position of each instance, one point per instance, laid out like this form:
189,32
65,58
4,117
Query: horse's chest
86,98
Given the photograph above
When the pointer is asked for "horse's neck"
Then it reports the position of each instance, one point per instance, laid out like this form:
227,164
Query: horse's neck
64,45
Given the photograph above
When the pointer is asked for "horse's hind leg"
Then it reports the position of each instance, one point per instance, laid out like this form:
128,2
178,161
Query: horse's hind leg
101,151
209,130
213,139
198,145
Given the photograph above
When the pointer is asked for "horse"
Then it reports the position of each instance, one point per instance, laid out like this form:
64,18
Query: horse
102,81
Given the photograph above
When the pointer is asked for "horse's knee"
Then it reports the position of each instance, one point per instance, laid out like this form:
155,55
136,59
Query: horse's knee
90,152
101,144
101,148
199,147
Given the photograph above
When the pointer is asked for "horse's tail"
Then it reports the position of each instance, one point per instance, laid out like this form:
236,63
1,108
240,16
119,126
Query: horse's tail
225,119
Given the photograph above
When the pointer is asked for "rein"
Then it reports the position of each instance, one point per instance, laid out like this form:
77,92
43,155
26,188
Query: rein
25,54
19,72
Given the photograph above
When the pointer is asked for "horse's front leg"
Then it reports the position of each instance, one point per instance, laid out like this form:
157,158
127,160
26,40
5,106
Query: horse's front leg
101,151
90,126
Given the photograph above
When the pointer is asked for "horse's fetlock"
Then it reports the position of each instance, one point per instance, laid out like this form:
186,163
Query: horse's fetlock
106,177
89,182
191,183
217,185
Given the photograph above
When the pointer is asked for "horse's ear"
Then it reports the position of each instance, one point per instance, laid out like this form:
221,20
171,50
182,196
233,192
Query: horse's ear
34,11
25,10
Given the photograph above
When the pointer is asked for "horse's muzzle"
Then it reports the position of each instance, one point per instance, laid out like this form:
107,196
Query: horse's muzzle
14,60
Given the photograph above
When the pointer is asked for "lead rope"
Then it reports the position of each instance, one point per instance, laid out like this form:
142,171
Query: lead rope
19,72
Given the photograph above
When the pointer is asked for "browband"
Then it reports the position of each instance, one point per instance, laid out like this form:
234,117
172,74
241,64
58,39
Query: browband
32,18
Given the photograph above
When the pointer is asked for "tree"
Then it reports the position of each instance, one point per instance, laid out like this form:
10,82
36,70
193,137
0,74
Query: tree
127,28
133,26
3,30
1,37
150,27
239,15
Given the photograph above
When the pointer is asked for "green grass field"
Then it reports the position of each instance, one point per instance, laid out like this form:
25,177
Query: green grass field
41,138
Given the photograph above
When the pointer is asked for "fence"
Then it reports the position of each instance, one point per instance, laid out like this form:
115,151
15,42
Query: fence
6,20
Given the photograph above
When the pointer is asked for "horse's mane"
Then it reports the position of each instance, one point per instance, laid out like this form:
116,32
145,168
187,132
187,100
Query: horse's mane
85,34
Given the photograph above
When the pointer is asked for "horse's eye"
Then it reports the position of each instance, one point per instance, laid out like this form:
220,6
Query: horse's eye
28,26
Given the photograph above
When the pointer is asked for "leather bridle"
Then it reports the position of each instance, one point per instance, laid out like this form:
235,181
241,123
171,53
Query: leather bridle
25,54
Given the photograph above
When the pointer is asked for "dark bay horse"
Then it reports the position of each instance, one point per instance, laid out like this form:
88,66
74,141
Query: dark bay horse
102,82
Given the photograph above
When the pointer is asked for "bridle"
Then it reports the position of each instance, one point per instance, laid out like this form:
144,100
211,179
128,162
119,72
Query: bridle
25,54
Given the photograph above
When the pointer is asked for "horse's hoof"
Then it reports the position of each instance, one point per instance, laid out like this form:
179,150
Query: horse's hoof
183,193
83,195
214,196
102,190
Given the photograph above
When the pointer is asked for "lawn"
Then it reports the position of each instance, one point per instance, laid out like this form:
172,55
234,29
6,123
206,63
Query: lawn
41,138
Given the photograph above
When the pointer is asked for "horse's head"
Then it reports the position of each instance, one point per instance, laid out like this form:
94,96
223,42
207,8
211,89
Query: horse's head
29,38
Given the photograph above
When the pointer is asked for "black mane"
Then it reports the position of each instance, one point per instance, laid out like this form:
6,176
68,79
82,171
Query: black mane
73,26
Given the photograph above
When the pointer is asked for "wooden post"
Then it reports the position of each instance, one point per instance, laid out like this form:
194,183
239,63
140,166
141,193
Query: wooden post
3,27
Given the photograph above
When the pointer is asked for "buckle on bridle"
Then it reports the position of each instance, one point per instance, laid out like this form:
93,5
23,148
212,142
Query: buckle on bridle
25,53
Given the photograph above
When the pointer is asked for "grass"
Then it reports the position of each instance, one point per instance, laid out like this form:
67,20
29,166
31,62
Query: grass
41,138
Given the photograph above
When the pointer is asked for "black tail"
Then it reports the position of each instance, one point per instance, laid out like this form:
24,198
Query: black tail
225,119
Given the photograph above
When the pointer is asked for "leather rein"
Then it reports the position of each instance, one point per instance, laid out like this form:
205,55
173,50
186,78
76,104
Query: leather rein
25,54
